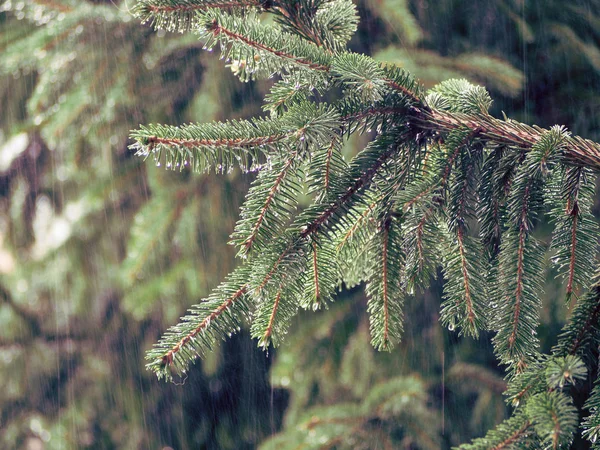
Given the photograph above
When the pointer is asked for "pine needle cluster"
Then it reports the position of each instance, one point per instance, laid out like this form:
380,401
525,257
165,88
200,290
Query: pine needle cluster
442,184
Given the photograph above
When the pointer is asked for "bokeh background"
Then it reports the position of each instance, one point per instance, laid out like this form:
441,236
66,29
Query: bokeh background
101,251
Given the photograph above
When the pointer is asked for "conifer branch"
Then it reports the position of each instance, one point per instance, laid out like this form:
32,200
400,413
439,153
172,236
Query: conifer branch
396,213
217,30
328,165
184,15
573,250
384,272
267,336
466,279
583,328
575,236
514,437
575,150
323,216
260,222
357,224
220,314
315,270
405,92
383,288
363,181
223,142
167,359
259,50
248,242
161,6
513,431
519,292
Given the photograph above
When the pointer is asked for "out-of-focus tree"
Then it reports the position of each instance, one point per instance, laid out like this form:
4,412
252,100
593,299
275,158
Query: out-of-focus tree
100,251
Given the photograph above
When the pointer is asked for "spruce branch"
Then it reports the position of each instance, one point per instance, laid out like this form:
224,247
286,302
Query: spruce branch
269,204
520,258
401,209
329,24
217,146
182,15
384,287
497,174
222,145
574,240
465,288
510,433
582,331
260,50
221,314
323,275
591,424
554,418
574,151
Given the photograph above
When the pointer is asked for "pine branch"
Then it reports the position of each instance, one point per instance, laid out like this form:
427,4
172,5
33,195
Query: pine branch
221,314
554,417
182,15
575,151
575,236
591,424
384,288
582,332
269,204
260,50
510,433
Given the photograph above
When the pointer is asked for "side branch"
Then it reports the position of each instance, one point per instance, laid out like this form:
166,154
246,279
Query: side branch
593,318
269,331
573,258
314,226
384,257
466,277
513,438
363,181
224,142
263,212
316,270
406,92
167,359
520,271
201,6
217,29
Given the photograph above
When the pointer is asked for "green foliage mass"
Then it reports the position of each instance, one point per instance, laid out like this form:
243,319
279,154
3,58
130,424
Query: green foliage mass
101,251
433,157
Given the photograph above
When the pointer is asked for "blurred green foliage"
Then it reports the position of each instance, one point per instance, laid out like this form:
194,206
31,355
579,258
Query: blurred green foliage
99,252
